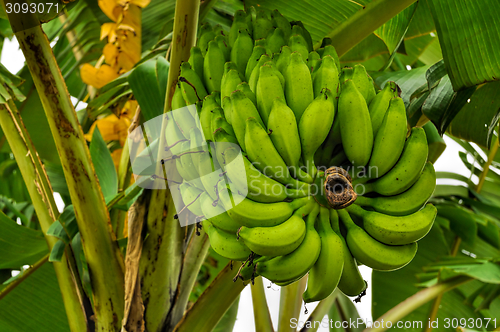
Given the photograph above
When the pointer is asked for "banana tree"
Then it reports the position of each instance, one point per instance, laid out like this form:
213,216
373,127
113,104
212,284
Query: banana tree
119,257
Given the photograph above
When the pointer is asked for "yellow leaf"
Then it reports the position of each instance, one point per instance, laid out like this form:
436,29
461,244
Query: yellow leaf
108,30
111,8
97,77
110,52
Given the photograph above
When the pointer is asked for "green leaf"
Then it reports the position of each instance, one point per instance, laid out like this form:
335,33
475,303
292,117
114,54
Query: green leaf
462,221
57,251
478,119
19,245
487,272
148,83
450,190
394,30
103,164
58,231
422,23
35,305
436,143
227,321
469,35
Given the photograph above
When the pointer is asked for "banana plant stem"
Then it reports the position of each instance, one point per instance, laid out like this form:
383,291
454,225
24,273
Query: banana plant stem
4,292
320,311
290,304
261,313
366,20
415,301
486,167
219,296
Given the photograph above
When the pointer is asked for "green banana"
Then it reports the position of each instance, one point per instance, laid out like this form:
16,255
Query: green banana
355,125
230,81
209,104
224,47
396,230
299,29
276,40
185,119
268,90
299,92
192,86
314,127
284,59
263,154
262,25
239,23
210,172
241,51
270,214
345,74
362,82
332,141
408,168
325,275
284,133
177,98
380,104
351,282
205,36
218,30
225,243
372,253
246,109
407,202
390,139
277,240
174,136
196,60
254,76
280,22
297,263
227,106
257,52
224,140
218,216
327,76
213,67
219,121
313,61
330,50
245,88
191,196
297,44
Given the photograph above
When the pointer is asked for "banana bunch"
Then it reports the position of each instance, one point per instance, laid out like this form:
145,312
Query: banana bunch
294,165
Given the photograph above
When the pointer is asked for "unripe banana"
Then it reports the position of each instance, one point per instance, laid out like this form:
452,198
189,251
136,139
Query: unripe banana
299,90
251,14
227,106
262,25
225,243
189,169
325,275
257,52
186,119
197,145
268,90
297,263
362,82
298,28
276,40
297,43
271,64
330,50
191,197
178,99
313,60
346,74
263,154
219,121
390,139
196,60
210,172
224,47
314,127
407,202
239,23
284,59
174,136
224,140
408,168
380,104
351,282
355,125
213,67
327,76
206,35
372,253
332,141
218,216
192,86
241,51
230,81
276,240
254,76
284,133
245,109
209,104
280,22
396,230
245,88
218,30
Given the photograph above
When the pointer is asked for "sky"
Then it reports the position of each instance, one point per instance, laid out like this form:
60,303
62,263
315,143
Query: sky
13,59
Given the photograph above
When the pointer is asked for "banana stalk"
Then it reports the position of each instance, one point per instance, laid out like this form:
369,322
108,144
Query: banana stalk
320,311
260,309
290,302
41,194
222,292
101,251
